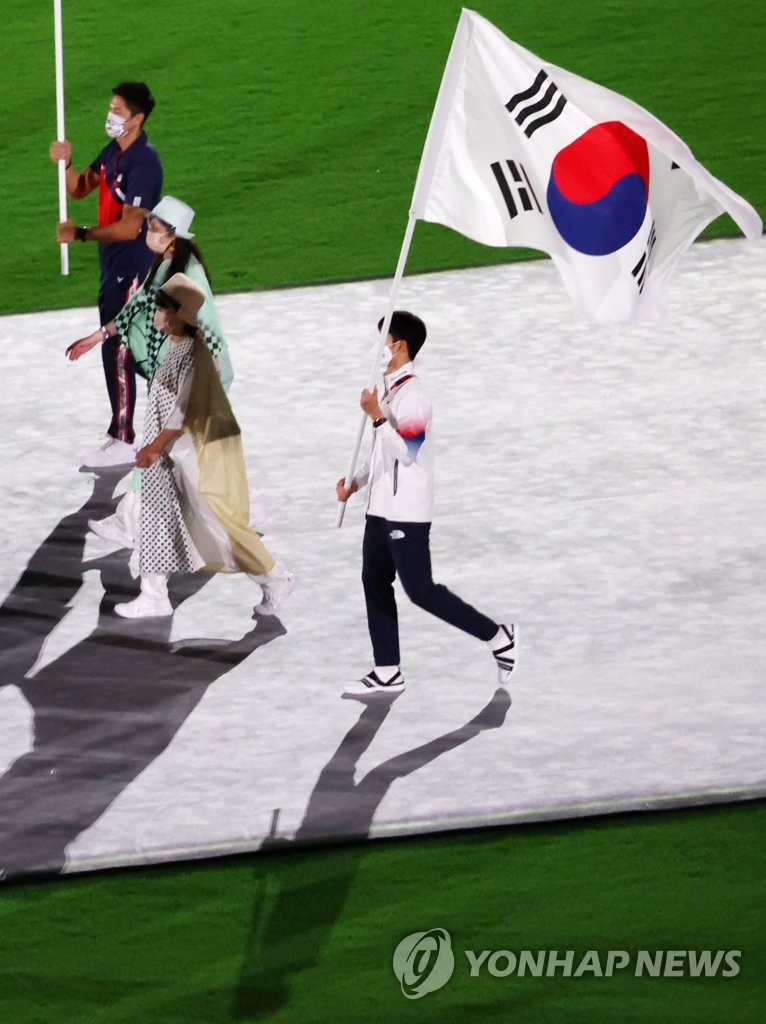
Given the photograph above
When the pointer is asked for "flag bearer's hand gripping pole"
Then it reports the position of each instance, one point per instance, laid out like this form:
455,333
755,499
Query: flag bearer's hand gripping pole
349,478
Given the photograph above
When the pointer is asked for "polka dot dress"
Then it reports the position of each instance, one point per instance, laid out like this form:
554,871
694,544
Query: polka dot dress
165,543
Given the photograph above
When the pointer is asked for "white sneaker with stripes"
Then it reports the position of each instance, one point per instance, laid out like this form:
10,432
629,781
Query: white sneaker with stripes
372,684
503,646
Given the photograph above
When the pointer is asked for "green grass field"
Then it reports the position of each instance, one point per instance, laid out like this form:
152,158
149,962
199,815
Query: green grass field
308,936
295,130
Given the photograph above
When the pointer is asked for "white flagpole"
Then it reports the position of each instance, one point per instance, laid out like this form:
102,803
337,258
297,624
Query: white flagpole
383,336
444,101
60,133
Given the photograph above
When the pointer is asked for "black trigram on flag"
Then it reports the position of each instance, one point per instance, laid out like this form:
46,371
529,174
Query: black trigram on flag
516,192
545,100
641,269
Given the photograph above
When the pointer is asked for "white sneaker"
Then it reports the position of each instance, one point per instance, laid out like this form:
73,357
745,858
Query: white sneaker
111,453
504,652
112,529
145,607
275,593
372,684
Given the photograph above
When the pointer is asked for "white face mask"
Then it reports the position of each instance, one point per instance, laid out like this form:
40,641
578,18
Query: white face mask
384,359
158,241
114,125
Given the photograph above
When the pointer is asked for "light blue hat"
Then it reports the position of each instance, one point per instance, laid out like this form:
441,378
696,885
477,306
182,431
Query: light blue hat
177,215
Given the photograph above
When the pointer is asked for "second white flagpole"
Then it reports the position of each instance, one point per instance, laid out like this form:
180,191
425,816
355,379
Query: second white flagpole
383,336
58,36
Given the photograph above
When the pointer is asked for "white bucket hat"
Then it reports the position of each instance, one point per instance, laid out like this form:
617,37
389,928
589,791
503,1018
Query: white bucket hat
177,215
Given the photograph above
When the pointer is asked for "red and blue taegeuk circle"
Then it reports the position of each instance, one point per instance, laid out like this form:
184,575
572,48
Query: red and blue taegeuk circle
599,188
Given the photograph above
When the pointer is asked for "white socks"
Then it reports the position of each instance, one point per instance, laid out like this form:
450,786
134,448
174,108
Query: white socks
386,672
501,639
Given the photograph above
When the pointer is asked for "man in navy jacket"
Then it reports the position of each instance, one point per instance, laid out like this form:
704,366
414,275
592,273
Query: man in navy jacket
128,175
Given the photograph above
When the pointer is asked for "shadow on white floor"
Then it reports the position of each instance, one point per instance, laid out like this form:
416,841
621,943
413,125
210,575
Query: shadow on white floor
602,487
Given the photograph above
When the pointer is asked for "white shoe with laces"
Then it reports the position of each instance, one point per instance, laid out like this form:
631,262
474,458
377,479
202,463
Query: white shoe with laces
111,453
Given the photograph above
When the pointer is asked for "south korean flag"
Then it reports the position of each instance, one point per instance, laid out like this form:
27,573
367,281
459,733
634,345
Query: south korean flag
523,153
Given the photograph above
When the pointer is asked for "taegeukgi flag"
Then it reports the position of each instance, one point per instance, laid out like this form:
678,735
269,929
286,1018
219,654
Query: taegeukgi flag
524,153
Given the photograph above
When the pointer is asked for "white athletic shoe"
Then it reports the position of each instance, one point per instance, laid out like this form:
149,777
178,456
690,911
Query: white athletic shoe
145,607
111,453
373,684
112,529
275,592
153,601
503,646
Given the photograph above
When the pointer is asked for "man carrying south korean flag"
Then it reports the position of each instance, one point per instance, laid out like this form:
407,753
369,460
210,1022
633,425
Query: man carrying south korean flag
399,512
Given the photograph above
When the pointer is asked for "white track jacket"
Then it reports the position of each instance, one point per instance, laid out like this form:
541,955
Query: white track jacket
399,469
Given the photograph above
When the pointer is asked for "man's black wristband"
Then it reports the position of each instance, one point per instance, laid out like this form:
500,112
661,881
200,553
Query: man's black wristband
80,234
377,423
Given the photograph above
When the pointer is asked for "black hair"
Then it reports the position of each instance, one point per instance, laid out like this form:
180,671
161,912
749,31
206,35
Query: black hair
165,301
406,327
183,250
137,96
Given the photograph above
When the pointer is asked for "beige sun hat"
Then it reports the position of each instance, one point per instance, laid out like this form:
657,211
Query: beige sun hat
187,295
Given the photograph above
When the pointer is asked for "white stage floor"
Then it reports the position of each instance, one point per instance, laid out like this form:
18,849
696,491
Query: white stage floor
604,488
